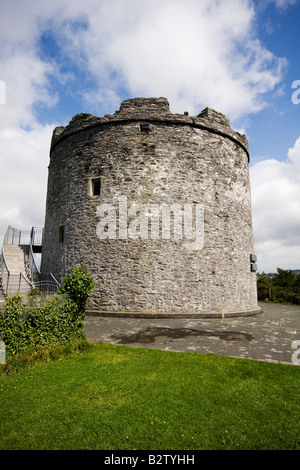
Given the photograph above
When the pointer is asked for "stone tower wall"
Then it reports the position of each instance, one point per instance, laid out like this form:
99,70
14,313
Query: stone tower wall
198,161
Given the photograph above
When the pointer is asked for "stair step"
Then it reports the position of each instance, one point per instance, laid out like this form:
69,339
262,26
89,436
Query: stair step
14,257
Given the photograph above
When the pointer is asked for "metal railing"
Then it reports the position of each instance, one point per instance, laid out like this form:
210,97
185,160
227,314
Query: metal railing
13,283
24,282
4,274
17,283
14,236
46,288
33,237
54,280
36,236
36,239
33,268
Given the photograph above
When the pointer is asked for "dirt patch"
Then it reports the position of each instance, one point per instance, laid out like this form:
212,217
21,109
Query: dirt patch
149,335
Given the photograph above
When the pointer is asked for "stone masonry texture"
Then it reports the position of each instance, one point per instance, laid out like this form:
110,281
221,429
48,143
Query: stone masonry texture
177,159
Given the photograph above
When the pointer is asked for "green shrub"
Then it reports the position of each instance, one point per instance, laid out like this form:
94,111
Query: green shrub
12,330
42,322
54,321
77,286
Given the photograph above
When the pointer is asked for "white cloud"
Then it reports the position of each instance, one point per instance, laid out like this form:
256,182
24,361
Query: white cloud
284,3
26,82
24,170
196,53
276,211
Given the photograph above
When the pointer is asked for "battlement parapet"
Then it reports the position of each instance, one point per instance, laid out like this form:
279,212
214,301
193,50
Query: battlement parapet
152,110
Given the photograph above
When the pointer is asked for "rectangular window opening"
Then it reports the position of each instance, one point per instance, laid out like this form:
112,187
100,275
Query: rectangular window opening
61,234
144,127
95,186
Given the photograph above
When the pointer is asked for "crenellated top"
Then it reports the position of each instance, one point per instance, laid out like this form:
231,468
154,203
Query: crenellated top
152,110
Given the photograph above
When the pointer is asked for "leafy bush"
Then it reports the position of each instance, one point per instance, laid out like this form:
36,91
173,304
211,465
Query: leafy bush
283,286
12,330
44,323
78,285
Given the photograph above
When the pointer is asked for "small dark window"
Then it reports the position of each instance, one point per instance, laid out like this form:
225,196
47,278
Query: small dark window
96,187
61,234
144,127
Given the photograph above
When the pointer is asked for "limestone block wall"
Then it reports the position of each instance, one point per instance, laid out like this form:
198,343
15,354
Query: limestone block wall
147,156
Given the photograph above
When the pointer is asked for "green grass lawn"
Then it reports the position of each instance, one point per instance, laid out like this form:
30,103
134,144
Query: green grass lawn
116,398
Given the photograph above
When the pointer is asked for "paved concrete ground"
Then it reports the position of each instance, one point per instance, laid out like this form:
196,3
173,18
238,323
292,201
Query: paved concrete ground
267,336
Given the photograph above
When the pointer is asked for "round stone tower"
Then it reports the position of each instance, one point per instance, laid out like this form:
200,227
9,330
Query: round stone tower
157,206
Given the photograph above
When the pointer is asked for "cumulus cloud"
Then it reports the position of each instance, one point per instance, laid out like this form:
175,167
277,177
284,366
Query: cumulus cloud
284,3
23,176
196,53
276,210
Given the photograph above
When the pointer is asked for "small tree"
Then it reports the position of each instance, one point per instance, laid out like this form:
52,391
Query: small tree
264,286
78,285
284,278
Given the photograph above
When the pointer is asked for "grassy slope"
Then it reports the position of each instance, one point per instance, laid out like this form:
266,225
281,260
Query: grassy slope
113,397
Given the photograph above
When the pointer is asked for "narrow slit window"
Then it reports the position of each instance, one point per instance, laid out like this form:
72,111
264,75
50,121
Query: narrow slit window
61,234
96,187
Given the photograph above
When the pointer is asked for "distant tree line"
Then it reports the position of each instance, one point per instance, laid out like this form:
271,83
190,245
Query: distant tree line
283,286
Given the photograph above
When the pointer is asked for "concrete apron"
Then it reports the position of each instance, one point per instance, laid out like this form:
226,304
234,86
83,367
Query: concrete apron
272,335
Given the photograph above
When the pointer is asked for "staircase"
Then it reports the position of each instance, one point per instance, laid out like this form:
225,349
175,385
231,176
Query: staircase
17,246
15,261
19,271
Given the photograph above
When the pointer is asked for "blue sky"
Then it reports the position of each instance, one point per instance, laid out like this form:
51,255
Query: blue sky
240,57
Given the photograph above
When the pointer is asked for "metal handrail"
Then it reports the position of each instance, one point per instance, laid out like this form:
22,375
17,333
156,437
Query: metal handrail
34,270
55,280
17,237
36,236
5,279
12,236
26,280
